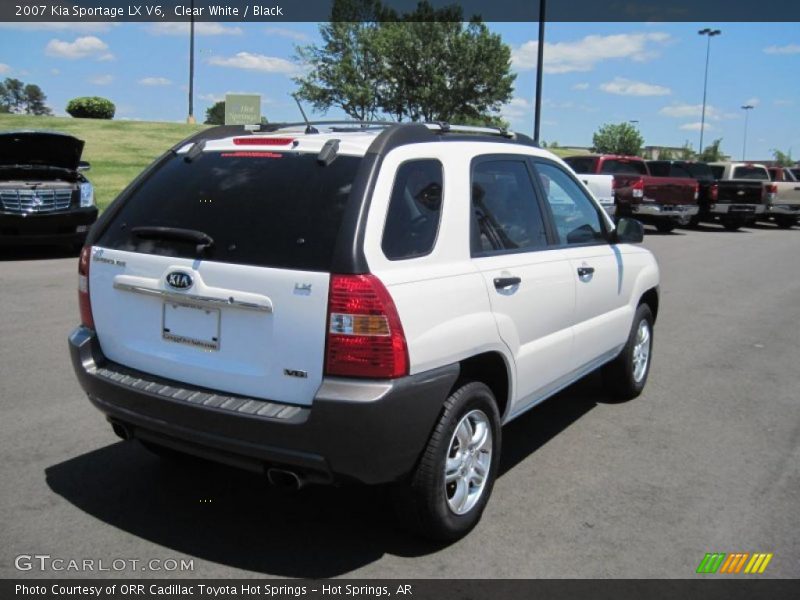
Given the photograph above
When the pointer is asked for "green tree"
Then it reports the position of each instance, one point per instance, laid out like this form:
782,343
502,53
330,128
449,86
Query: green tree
622,138
12,95
345,71
35,101
5,106
215,114
437,68
687,152
426,65
783,159
712,152
17,97
665,154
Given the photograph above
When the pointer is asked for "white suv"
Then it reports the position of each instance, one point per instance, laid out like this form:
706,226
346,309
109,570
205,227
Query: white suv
366,303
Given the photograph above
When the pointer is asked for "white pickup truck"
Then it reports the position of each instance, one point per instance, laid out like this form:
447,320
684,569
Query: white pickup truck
602,188
784,207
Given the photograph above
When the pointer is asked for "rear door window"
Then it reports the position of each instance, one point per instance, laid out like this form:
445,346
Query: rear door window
415,208
268,209
506,213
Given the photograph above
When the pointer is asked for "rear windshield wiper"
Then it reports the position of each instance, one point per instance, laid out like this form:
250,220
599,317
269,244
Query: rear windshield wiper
203,240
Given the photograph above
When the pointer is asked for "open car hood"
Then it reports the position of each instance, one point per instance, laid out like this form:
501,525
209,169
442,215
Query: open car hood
40,148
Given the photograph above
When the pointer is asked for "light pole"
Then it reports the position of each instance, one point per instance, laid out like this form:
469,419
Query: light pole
746,108
710,33
539,67
190,119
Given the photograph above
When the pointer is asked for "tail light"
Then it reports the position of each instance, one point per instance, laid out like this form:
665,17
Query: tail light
365,337
696,191
771,190
714,192
638,188
84,302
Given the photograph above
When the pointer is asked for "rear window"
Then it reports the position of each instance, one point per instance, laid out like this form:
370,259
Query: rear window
659,169
699,170
615,166
583,166
759,173
260,208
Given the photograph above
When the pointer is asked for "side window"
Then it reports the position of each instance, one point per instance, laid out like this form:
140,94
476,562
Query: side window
415,208
576,218
506,213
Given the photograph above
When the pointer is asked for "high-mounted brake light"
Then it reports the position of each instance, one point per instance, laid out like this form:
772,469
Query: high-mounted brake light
84,302
262,141
365,337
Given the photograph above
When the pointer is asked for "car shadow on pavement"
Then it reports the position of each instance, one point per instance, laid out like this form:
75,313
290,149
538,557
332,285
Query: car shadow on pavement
15,253
235,518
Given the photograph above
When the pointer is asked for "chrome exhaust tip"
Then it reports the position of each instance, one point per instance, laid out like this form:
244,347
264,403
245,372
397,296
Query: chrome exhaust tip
282,478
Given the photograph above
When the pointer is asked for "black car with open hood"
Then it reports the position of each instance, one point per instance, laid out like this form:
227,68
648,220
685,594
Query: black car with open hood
44,196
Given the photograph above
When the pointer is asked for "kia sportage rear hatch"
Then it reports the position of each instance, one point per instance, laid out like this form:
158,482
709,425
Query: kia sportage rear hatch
215,271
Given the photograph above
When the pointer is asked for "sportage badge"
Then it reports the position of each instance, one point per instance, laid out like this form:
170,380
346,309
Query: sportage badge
179,280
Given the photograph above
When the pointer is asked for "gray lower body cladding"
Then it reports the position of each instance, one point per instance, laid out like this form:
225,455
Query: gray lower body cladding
367,431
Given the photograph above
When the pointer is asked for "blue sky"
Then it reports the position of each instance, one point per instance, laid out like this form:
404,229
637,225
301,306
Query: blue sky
594,73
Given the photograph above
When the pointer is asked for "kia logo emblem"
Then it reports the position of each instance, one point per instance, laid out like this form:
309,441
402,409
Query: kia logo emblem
179,280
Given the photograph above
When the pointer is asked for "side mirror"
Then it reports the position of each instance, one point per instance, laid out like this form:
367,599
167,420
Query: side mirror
84,166
629,231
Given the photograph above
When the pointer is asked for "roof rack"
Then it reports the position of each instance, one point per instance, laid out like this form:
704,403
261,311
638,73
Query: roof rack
353,126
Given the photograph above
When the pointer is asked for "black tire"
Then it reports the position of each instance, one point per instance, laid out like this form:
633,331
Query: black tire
422,501
665,226
786,222
618,375
694,221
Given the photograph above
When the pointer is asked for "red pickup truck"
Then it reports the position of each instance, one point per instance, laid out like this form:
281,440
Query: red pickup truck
664,202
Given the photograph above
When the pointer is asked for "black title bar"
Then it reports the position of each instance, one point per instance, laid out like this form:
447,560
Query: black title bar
715,11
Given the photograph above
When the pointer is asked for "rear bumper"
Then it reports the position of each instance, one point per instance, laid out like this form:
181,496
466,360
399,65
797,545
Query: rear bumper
744,210
665,210
46,228
791,210
367,431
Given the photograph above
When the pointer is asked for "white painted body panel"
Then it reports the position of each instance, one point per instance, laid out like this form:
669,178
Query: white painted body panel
254,346
548,330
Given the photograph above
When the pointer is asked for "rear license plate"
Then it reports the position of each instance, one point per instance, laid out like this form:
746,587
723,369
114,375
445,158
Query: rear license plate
191,325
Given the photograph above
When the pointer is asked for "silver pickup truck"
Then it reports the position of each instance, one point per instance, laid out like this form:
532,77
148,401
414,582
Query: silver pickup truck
784,193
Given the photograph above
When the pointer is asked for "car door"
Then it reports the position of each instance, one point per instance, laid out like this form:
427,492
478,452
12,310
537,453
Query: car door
602,315
529,282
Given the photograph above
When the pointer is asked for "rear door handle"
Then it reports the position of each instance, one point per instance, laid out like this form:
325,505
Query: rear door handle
585,271
502,283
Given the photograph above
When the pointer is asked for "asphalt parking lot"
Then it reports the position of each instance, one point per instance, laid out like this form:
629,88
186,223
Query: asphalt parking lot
707,459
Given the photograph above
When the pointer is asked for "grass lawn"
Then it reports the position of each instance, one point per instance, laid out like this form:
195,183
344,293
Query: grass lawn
120,150
117,150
